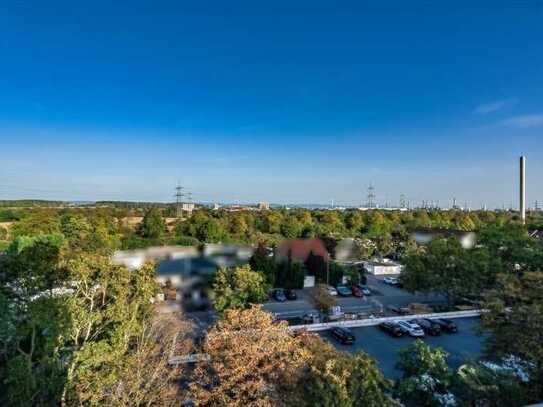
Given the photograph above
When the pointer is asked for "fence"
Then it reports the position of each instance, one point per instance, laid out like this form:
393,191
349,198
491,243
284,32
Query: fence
377,321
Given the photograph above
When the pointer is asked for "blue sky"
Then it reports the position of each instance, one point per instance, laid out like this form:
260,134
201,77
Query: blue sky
286,103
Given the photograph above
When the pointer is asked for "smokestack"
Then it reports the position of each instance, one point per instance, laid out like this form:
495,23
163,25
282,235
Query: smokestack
522,190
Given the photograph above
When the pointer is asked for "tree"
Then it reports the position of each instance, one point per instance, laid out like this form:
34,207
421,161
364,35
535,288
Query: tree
321,298
354,221
444,267
260,261
253,361
337,378
238,226
3,233
141,376
291,228
332,223
76,327
477,384
290,274
353,275
316,266
515,320
36,223
152,225
237,288
272,222
363,248
427,377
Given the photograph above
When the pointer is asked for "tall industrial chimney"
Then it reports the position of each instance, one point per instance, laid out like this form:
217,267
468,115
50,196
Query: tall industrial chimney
522,190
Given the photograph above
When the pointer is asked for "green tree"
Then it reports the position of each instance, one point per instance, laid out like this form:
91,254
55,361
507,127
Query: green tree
427,378
337,378
291,228
354,221
444,267
515,320
237,288
260,261
39,222
152,225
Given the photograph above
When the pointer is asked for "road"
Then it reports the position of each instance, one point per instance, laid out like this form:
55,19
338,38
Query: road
383,295
463,346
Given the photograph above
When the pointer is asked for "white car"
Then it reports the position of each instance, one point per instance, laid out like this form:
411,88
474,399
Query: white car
331,290
390,280
411,328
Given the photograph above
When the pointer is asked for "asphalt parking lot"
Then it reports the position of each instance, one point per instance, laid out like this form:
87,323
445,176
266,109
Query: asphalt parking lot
462,346
382,296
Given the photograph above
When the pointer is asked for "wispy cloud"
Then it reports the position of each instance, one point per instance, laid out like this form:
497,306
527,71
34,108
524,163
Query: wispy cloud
495,106
529,120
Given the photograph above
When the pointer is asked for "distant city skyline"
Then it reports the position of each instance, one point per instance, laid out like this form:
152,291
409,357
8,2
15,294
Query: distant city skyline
285,104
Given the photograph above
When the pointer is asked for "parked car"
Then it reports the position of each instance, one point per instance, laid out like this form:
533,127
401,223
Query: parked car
331,290
291,294
428,326
279,295
411,328
390,280
446,325
391,328
343,335
343,290
357,291
399,310
365,290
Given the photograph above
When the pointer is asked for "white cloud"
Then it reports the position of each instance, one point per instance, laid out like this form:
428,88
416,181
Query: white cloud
530,120
495,106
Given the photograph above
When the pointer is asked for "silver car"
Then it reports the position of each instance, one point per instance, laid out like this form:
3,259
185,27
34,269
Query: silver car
411,328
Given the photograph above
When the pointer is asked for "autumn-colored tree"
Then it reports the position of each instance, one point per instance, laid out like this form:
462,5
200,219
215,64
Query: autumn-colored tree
253,361
321,298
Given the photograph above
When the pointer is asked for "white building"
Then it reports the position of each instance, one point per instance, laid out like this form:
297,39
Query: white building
379,267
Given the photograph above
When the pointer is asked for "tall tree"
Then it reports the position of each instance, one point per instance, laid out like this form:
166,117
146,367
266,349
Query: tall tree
253,361
237,288
152,225
337,378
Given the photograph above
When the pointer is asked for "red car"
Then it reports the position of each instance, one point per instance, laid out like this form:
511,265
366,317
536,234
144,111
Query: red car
357,291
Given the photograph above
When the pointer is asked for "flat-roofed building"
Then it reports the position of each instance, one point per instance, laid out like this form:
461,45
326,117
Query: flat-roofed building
379,267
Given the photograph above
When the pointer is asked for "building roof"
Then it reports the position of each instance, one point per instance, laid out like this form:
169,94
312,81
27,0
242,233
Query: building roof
186,266
300,249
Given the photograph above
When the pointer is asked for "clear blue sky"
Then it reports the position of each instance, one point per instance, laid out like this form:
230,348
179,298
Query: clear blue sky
287,103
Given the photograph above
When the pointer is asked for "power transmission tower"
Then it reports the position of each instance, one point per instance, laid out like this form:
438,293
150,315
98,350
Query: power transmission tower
371,197
178,201
402,201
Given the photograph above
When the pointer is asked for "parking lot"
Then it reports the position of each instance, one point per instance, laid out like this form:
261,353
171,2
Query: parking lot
462,346
382,296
